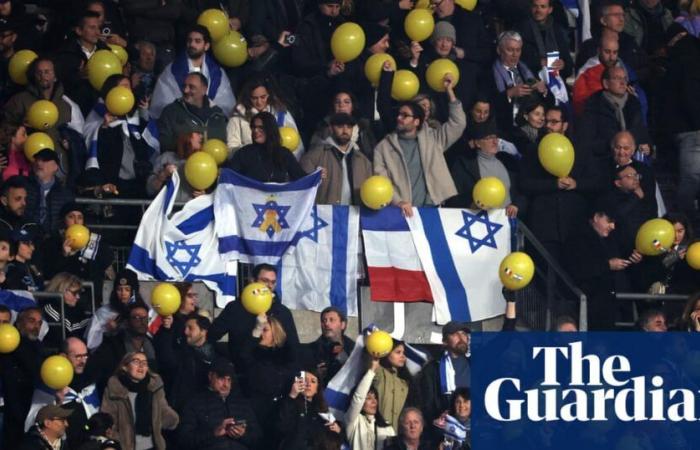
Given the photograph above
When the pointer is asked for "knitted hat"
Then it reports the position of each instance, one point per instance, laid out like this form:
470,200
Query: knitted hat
127,278
444,30
374,32
482,130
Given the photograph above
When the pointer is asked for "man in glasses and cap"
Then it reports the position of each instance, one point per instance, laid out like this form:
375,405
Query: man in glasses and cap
51,426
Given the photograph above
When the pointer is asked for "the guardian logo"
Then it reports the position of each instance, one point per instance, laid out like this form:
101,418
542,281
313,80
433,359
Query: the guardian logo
580,387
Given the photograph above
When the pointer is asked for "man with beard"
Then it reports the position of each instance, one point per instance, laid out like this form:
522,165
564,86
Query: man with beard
170,85
343,166
329,352
19,371
13,205
80,396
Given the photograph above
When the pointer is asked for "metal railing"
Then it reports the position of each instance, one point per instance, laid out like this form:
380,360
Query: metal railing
635,297
43,297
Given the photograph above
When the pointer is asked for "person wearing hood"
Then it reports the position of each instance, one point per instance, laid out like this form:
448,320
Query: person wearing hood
343,166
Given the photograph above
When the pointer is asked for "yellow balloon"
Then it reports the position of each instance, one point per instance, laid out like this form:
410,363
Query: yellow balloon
435,74
419,24
422,4
489,192
79,236
231,50
693,255
379,344
374,66
216,21
165,299
217,149
655,237
120,101
347,42
56,372
42,115
120,52
516,271
405,85
256,298
19,63
200,170
9,338
35,143
289,138
469,5
376,192
556,154
101,66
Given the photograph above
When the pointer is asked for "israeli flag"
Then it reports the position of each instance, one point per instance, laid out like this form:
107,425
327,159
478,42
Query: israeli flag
454,429
258,222
460,251
321,270
182,247
43,395
337,393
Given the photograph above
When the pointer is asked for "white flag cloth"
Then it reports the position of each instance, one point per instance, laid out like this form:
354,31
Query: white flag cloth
44,395
460,251
258,222
321,270
182,247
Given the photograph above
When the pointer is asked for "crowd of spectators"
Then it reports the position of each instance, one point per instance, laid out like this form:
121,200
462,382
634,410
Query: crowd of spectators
628,97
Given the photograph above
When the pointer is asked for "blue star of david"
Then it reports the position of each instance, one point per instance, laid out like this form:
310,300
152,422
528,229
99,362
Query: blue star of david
182,257
312,233
476,243
281,211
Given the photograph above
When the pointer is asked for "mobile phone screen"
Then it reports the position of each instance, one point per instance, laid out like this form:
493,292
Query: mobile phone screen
551,57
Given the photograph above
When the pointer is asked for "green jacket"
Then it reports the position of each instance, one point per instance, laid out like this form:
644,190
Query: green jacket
178,118
635,24
392,393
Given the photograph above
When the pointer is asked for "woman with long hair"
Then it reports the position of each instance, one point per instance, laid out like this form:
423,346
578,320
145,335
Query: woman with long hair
461,411
135,398
257,96
690,320
76,313
393,383
531,122
12,138
265,159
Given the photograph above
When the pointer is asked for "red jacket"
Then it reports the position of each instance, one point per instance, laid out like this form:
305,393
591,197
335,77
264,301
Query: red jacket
588,83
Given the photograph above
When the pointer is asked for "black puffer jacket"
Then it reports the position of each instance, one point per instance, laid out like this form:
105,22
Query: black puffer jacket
58,196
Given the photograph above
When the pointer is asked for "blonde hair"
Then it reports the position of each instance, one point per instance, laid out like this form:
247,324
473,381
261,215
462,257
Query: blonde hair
126,360
279,336
63,281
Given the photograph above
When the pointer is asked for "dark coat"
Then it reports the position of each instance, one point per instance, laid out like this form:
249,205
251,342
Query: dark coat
530,54
647,183
58,196
68,60
254,162
311,53
35,441
681,87
151,20
631,212
322,351
299,429
270,17
472,36
205,411
180,118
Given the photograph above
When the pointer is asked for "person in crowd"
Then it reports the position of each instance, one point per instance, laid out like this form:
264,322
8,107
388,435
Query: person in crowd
343,166
100,433
473,41
184,366
257,95
73,317
311,55
265,159
80,397
168,162
609,111
109,317
133,338
531,127
689,19
331,350
172,83
269,364
460,409
653,321
515,81
12,139
19,371
8,44
5,243
22,272
239,323
690,319
542,36
135,398
481,112
623,147
47,194
112,30
565,324
189,305
646,21
143,75
50,428
155,23
556,120
345,101
303,415
119,150
410,436
193,112
394,384
480,160
217,418
412,156
13,198
366,428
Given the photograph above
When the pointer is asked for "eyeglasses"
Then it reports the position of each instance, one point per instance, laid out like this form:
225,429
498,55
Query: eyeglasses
403,115
75,292
554,121
636,176
62,419
139,362
139,318
80,356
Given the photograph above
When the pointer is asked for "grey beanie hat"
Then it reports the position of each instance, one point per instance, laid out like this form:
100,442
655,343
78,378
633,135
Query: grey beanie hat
444,30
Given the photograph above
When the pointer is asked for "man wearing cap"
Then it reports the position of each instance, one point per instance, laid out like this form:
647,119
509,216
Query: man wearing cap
343,166
482,159
217,419
47,434
46,194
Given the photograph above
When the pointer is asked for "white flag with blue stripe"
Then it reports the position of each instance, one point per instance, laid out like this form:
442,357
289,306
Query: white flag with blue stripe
258,222
182,247
460,251
321,270
454,429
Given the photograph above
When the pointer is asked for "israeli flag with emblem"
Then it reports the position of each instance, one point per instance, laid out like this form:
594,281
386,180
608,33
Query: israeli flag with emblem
460,251
454,429
182,247
258,222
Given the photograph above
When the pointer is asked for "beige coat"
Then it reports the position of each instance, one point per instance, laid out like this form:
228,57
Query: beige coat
330,190
115,401
432,143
